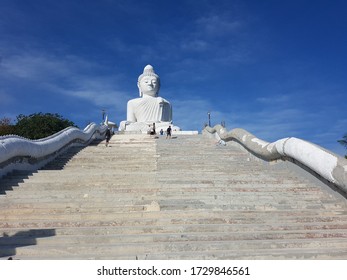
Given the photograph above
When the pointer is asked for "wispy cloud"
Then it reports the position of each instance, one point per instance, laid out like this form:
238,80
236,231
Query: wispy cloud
71,75
218,25
195,45
275,99
36,66
6,98
191,113
68,80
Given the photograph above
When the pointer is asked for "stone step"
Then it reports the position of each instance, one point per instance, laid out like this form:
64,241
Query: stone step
209,195
196,214
188,189
111,239
144,190
202,229
164,179
213,194
177,205
92,220
164,248
117,209
103,182
271,254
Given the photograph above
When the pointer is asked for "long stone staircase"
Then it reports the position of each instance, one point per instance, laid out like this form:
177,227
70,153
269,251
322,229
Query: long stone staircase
180,198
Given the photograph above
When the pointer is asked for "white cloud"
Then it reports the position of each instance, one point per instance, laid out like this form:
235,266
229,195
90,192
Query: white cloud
269,125
70,75
33,67
101,98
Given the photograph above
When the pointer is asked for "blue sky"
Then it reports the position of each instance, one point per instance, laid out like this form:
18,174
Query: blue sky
275,68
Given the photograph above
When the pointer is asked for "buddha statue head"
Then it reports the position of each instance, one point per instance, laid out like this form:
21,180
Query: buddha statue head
148,82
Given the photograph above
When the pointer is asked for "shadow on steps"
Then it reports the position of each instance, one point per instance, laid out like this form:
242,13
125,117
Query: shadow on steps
13,179
8,244
60,161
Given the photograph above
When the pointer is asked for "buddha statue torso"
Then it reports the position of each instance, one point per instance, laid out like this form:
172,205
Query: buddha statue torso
149,109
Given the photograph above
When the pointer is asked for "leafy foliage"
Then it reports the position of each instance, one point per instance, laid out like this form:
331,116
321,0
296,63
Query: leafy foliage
6,127
343,141
39,125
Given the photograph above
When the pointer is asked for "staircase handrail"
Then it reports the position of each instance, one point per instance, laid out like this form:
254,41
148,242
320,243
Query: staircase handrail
14,148
323,162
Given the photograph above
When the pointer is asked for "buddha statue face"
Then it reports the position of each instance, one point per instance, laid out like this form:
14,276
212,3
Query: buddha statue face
148,82
149,86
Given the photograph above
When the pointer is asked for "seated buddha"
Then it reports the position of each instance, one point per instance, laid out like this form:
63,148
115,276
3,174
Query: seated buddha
149,108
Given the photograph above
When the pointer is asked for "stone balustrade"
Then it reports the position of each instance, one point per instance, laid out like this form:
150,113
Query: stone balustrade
18,153
309,156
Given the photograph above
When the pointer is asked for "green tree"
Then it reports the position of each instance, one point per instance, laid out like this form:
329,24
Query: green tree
6,127
39,125
343,142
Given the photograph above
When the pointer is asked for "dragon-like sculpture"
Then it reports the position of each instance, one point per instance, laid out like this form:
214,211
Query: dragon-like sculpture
18,153
322,162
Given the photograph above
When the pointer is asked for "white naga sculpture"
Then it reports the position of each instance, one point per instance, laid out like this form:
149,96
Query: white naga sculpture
149,108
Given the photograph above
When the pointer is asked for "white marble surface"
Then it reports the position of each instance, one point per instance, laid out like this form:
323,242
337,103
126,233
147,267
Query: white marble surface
311,155
149,108
15,150
325,163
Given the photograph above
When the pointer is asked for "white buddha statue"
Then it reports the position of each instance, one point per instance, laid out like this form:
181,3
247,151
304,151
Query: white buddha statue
149,109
